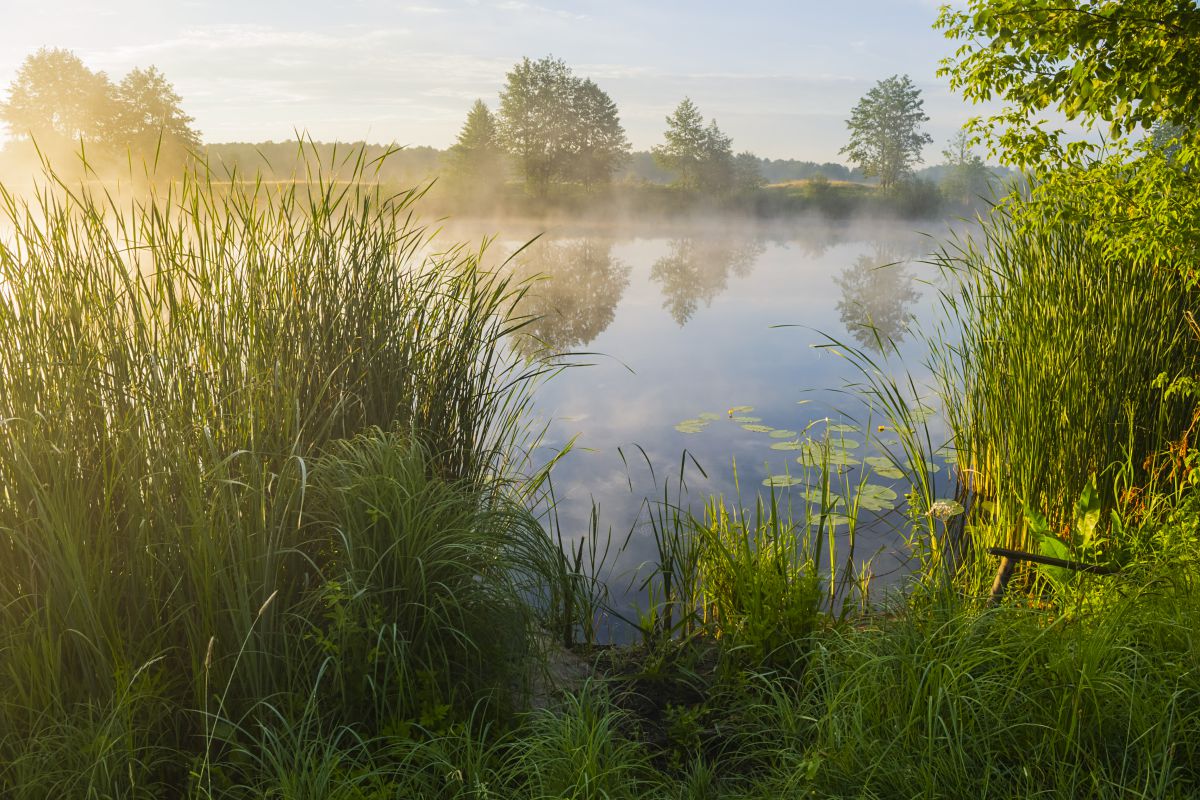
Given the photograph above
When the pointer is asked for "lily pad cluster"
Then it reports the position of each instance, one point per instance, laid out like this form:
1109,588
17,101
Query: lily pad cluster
831,446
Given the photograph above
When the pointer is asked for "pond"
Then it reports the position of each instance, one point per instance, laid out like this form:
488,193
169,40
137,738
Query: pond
705,338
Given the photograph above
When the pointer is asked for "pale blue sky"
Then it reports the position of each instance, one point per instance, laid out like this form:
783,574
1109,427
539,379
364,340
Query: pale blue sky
780,77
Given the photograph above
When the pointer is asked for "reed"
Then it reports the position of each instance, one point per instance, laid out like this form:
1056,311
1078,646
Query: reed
1053,378
179,367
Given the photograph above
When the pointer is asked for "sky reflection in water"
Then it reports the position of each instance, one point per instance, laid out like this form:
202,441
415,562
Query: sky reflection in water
680,322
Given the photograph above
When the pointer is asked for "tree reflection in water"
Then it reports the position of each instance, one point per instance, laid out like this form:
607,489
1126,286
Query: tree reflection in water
574,287
877,296
697,270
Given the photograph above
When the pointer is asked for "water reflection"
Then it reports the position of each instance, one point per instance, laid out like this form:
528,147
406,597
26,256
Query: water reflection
574,290
877,299
697,269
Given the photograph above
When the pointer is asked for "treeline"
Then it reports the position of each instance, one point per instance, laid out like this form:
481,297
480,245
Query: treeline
59,104
554,140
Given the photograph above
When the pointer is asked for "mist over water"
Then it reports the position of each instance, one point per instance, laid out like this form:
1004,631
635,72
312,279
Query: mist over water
675,321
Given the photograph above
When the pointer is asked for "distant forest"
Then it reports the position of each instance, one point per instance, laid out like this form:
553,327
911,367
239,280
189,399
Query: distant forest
286,160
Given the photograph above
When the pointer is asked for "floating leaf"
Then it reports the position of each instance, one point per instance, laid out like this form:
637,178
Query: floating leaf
874,497
802,402
691,426
830,520
883,467
780,433
816,455
739,409
813,495
842,428
844,443
795,444
945,508
920,413
708,415
758,428
782,481
949,456
746,419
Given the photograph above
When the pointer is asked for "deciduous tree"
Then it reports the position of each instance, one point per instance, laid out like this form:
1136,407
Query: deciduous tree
700,156
1123,64
559,127
55,98
885,130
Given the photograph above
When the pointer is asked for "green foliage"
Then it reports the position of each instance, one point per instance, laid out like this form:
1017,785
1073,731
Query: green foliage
885,130
1052,379
759,581
60,103
184,534
476,160
1129,64
700,156
559,127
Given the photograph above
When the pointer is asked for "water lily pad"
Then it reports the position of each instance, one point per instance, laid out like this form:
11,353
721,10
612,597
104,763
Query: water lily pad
746,419
782,481
883,467
802,402
945,508
815,455
795,444
874,497
739,409
842,443
948,456
813,495
921,413
691,426
841,427
758,428
829,520
781,433
708,415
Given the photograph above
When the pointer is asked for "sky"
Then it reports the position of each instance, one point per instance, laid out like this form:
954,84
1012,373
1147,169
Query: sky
779,77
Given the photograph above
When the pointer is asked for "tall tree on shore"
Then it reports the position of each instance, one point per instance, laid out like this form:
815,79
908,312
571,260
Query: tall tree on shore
477,158
598,145
55,98
968,178
148,118
700,156
885,130
683,151
559,127
57,101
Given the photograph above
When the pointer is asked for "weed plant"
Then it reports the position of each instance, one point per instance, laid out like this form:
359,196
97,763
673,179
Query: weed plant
1053,377
254,451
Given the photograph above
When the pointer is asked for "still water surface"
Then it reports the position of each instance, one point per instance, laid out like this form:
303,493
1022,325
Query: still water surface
682,322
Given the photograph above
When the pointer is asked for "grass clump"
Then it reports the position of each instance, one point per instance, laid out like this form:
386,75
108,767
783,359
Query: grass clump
253,469
1054,377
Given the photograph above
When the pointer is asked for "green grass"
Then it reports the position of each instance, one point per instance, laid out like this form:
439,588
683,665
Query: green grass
254,458
265,532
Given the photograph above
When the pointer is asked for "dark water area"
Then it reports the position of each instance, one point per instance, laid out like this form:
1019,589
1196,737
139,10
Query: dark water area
679,324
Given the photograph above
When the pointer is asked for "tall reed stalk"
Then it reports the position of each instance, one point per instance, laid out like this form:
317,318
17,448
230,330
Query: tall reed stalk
173,366
1052,378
